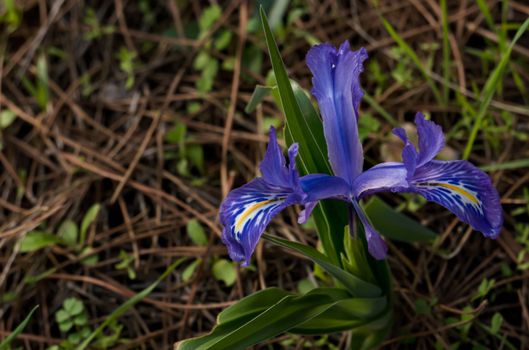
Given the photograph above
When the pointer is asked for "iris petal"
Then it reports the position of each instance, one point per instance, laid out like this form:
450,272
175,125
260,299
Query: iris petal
273,167
464,190
337,89
247,211
457,185
375,244
322,186
409,153
431,139
390,176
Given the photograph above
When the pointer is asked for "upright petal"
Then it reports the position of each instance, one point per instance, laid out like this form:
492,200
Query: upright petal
463,189
246,212
273,166
431,139
375,244
337,89
409,153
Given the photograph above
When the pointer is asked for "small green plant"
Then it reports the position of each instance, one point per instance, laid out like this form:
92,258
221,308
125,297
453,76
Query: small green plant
126,264
68,234
225,271
11,15
190,155
484,288
128,63
72,320
39,90
96,29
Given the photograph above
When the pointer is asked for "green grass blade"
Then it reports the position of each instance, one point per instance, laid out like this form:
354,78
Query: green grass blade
128,304
413,56
5,344
446,51
484,8
490,88
514,164
379,109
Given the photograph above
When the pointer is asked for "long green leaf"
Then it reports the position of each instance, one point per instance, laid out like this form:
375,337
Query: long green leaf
289,313
259,93
355,286
128,304
344,315
490,89
252,304
304,127
395,225
371,335
329,216
5,344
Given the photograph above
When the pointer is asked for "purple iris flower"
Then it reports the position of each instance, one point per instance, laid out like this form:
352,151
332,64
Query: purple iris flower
457,185
247,210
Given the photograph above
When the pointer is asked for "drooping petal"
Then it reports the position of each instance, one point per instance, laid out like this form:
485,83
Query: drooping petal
375,244
457,185
384,177
464,190
431,139
337,89
246,212
304,215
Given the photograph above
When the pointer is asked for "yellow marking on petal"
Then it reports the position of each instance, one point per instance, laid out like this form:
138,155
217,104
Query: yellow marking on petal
461,191
249,211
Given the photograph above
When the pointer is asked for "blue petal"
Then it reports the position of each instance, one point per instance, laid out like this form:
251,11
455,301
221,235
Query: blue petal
375,244
390,176
337,89
318,187
457,185
409,153
273,167
246,212
304,215
322,186
463,189
431,139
